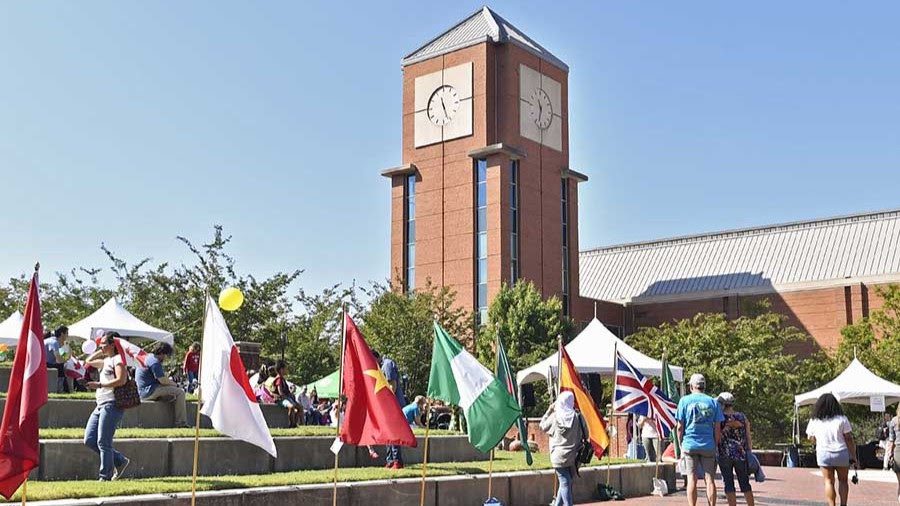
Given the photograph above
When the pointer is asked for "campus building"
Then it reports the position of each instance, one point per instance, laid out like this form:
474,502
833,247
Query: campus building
485,195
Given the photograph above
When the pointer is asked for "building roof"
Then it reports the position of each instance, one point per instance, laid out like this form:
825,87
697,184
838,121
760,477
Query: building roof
481,26
790,256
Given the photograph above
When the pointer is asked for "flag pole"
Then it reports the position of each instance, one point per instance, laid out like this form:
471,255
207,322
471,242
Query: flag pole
199,402
24,491
659,436
613,410
491,463
337,430
425,452
559,352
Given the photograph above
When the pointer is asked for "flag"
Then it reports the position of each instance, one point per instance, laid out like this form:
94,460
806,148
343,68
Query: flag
569,380
637,394
671,391
373,414
458,378
132,355
19,447
225,391
75,368
505,374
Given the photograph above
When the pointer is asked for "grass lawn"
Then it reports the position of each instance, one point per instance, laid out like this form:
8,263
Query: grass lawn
131,432
47,490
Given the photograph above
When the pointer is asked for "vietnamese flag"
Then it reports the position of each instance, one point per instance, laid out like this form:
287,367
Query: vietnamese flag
19,448
569,380
373,415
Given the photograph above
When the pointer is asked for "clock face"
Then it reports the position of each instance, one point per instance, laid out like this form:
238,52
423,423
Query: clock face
541,109
442,105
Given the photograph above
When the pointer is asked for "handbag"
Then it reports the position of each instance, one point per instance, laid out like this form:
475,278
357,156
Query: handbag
127,395
586,451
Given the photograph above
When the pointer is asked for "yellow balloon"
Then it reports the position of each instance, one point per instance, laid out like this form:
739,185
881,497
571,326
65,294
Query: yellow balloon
231,299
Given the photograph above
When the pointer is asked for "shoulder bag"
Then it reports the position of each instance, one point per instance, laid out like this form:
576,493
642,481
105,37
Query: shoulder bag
127,396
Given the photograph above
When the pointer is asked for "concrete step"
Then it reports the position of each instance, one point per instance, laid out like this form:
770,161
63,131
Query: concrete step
58,413
71,460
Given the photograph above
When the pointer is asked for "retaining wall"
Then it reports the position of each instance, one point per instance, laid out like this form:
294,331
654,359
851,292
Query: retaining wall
52,378
71,460
526,488
149,415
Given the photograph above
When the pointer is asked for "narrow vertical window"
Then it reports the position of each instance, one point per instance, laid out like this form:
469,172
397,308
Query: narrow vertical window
565,246
410,233
513,222
481,251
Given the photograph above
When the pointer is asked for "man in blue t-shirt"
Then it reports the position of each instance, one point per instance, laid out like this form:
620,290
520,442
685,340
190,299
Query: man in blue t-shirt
413,412
154,385
698,419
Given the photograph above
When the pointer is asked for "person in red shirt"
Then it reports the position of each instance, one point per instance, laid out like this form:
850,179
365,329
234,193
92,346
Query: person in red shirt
191,366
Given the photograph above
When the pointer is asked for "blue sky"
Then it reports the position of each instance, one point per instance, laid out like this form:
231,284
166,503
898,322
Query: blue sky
132,122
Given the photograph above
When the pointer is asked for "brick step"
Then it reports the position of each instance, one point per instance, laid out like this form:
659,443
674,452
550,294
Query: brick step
71,460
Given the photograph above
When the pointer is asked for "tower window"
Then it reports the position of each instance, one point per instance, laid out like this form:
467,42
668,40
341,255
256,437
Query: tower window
481,251
409,233
513,222
565,245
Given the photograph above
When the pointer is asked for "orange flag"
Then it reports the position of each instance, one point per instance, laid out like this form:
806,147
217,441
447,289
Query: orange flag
569,380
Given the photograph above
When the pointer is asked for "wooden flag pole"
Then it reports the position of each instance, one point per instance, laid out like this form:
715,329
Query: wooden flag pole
337,430
199,404
24,491
613,409
658,435
425,452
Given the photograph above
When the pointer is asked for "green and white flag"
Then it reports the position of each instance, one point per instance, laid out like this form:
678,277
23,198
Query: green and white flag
668,387
458,378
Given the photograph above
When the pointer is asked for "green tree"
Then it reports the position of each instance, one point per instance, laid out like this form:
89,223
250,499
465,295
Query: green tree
400,326
876,340
527,323
746,357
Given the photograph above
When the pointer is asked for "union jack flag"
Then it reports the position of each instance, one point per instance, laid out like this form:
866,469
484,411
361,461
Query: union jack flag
637,394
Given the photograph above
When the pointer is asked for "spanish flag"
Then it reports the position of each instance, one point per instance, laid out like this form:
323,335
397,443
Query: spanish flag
569,380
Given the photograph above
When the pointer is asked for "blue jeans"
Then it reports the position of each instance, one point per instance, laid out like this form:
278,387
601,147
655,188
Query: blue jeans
98,436
393,455
191,377
564,495
731,468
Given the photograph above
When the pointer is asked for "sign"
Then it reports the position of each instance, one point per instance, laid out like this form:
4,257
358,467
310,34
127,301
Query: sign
876,404
336,446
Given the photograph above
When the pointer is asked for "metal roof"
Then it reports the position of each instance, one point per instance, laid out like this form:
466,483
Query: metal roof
788,256
481,26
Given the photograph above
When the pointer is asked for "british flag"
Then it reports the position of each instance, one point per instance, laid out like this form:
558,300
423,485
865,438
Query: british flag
637,394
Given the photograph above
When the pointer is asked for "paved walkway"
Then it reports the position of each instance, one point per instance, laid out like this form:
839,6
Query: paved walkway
793,487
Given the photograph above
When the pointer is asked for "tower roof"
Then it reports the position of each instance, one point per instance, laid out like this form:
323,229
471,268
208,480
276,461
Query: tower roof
481,26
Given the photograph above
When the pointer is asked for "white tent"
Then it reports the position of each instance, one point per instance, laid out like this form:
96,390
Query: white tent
10,329
856,385
592,352
112,316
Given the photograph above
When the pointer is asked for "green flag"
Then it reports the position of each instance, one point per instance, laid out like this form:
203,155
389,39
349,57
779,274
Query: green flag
671,390
458,378
505,374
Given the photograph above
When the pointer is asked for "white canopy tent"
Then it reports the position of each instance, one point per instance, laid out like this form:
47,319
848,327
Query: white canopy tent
112,316
856,385
10,329
592,352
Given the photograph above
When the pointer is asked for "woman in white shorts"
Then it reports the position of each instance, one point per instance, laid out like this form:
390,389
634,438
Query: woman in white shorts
835,451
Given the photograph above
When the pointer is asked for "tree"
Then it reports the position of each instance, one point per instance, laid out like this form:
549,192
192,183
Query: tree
746,357
400,326
527,323
876,340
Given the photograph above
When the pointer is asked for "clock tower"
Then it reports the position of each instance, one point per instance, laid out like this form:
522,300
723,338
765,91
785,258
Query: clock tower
485,194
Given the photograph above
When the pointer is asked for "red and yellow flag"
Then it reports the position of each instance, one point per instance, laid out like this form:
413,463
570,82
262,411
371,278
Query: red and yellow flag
569,380
373,415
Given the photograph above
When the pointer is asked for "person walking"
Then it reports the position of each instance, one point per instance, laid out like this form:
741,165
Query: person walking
563,424
894,449
102,424
830,431
734,450
191,366
649,438
154,385
698,418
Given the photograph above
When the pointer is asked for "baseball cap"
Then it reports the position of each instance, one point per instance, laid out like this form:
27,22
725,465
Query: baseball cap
726,398
697,380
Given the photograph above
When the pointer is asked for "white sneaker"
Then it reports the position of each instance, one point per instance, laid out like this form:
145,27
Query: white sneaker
119,471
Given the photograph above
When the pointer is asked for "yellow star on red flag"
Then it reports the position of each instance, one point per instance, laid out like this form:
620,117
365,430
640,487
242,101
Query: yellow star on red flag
380,380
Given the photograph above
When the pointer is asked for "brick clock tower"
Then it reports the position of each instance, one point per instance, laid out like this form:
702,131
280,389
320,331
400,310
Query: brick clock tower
485,195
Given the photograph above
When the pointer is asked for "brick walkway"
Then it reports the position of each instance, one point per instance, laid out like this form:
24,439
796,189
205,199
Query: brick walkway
793,487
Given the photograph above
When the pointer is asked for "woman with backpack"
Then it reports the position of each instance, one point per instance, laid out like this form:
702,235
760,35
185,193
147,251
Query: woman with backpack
734,450
563,423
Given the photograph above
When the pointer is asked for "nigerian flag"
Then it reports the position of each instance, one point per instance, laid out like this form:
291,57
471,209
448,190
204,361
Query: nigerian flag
671,391
458,378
